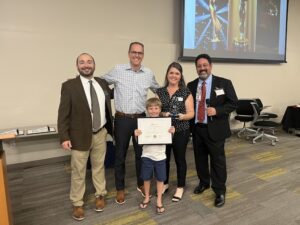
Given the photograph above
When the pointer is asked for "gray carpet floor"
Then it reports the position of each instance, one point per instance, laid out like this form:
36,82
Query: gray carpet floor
263,189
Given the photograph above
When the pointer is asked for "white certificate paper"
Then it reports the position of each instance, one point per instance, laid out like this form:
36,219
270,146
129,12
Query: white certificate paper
154,130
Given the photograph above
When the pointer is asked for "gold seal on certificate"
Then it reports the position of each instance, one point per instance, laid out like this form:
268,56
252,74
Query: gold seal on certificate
155,130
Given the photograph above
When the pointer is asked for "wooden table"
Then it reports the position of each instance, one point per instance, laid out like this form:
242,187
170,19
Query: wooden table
291,120
5,208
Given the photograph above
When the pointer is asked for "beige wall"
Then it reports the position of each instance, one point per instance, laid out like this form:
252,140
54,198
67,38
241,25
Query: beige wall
39,41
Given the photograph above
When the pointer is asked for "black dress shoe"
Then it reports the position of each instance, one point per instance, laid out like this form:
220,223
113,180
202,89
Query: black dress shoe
220,200
200,188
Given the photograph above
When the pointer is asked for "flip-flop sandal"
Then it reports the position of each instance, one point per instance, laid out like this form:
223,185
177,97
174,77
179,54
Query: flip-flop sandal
176,199
144,205
160,209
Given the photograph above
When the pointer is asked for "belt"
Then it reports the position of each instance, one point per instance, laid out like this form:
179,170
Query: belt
96,132
202,125
132,116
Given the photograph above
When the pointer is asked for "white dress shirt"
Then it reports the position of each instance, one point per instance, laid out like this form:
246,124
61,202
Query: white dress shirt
100,96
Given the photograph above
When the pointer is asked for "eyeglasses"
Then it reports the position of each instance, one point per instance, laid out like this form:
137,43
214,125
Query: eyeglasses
202,65
137,53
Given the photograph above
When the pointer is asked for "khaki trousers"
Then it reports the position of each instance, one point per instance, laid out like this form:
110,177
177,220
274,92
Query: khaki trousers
78,168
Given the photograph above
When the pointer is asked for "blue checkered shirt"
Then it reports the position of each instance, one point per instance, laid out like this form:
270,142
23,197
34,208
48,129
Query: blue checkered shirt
130,87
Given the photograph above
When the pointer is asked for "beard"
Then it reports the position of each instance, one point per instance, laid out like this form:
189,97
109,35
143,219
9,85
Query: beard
203,75
86,72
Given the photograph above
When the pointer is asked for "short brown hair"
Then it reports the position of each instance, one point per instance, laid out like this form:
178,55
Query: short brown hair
135,43
204,56
153,102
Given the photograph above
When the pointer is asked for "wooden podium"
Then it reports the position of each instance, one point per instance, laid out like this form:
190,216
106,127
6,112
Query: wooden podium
5,209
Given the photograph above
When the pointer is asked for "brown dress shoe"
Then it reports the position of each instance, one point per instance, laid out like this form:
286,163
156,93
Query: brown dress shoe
120,198
99,204
78,213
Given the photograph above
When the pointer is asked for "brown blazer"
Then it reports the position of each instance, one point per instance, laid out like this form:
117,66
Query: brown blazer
74,121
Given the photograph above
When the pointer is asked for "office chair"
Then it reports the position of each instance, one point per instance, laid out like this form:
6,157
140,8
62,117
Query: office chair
262,124
245,114
265,115
261,107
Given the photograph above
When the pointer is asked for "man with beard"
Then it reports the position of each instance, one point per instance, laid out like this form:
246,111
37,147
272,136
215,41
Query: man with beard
84,119
215,99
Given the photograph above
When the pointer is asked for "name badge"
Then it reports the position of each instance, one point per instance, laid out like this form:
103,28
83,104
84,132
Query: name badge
180,99
220,91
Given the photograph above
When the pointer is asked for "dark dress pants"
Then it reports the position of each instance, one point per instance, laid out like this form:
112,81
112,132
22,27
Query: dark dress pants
124,130
205,149
179,144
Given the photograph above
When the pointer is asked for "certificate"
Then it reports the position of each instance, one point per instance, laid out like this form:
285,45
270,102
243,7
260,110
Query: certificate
155,130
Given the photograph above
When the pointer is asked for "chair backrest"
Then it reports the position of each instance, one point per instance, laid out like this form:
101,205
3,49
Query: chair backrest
245,107
259,103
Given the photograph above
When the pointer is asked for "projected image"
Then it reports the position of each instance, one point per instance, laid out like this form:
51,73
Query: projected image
211,24
242,38
269,14
236,29
216,30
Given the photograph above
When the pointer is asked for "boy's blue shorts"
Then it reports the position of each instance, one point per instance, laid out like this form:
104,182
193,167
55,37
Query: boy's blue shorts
158,167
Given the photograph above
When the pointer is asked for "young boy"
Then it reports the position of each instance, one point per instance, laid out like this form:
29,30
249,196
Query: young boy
153,158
